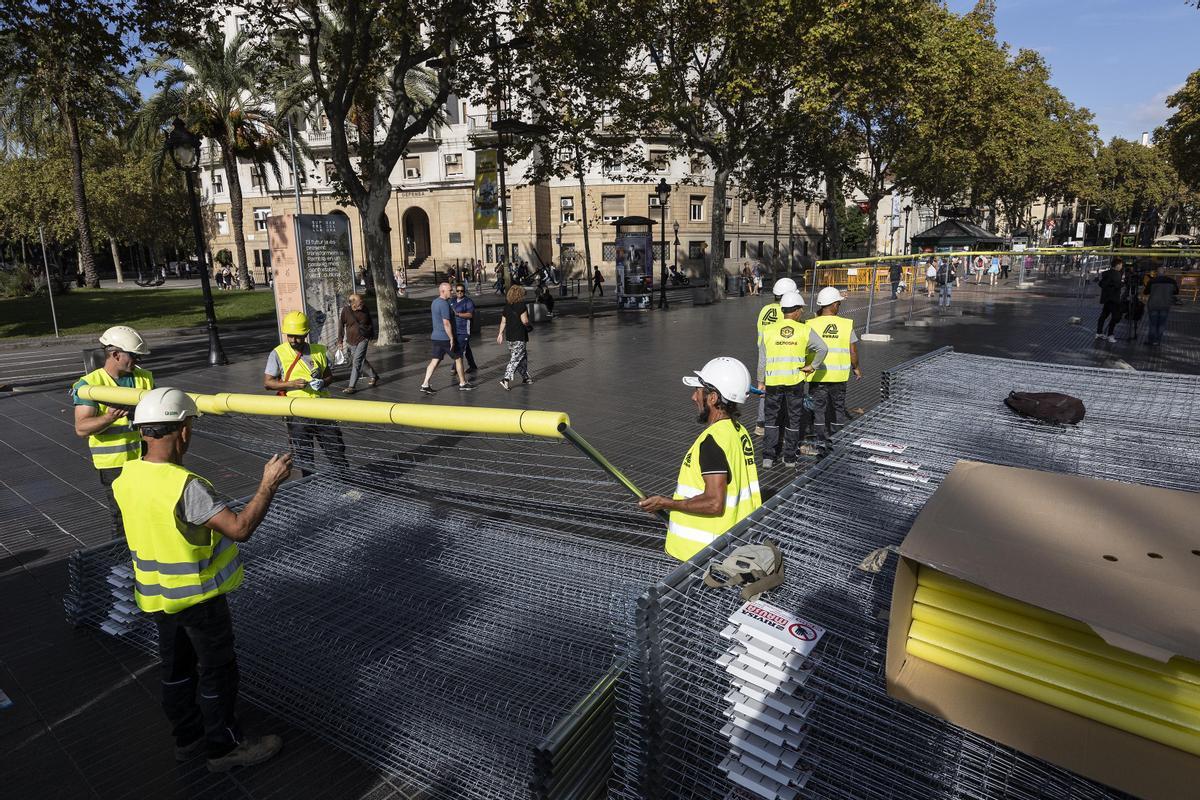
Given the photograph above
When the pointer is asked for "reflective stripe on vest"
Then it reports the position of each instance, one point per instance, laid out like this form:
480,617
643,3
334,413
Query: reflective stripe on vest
117,443
687,534
170,571
312,364
784,345
835,331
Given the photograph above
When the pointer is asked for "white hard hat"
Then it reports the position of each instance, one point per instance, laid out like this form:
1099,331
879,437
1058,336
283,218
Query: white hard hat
124,338
792,299
164,405
728,376
783,286
828,296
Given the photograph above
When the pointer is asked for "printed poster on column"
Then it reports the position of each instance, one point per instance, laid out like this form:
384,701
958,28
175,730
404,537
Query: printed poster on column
326,269
634,270
487,191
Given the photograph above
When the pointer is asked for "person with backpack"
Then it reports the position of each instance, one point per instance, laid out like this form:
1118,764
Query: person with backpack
1110,282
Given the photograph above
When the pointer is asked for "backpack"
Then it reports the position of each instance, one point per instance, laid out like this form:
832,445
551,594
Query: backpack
1047,406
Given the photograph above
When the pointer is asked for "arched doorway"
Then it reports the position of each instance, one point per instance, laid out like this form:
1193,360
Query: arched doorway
416,236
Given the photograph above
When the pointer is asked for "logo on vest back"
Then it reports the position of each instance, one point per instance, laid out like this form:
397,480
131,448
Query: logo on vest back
787,331
687,460
831,331
771,317
747,449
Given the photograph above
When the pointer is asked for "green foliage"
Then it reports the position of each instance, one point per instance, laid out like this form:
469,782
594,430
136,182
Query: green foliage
1132,178
17,282
854,225
1181,133
223,257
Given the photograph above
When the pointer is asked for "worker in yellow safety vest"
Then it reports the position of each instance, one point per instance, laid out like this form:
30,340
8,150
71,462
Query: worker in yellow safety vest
110,439
183,540
793,351
828,382
297,368
718,481
770,314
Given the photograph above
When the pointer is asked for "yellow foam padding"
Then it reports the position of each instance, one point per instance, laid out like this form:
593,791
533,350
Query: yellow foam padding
1164,733
942,582
1097,666
1079,637
464,419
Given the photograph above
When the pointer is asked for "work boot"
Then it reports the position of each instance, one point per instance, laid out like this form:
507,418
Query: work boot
768,463
186,752
254,750
808,450
759,430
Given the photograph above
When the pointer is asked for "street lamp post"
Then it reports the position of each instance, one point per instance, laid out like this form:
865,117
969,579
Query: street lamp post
675,225
184,148
663,190
907,212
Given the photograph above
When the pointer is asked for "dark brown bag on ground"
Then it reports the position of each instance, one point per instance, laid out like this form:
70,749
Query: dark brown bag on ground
1047,406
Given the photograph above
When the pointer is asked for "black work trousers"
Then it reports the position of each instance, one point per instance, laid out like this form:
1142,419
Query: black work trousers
200,675
829,406
107,476
303,435
784,409
1110,310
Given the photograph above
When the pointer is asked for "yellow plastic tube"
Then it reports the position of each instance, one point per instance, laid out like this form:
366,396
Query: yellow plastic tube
1179,669
1099,667
1100,691
462,419
942,582
1161,732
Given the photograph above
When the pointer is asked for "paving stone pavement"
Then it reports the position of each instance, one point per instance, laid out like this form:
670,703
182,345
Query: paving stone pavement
85,720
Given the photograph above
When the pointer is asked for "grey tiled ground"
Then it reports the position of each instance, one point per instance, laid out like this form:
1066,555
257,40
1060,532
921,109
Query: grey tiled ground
85,720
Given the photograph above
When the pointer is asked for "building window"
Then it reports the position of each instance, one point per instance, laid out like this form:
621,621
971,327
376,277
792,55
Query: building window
262,263
760,248
222,223
218,182
412,168
515,252
608,251
567,254
695,249
260,218
728,209
568,217
454,164
653,202
566,202
487,253
742,249
330,172
298,178
660,161
745,215
696,208
455,237
728,248
612,207
258,177
696,165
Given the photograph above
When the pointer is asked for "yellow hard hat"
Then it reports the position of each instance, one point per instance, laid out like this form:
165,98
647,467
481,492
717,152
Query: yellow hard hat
295,324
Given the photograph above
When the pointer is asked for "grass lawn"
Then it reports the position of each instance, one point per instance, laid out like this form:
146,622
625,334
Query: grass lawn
93,310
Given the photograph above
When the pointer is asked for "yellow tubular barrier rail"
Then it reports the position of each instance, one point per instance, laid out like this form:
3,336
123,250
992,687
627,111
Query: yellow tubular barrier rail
1053,659
547,424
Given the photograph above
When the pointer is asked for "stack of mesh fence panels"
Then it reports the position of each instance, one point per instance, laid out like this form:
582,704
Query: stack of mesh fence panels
859,742
439,642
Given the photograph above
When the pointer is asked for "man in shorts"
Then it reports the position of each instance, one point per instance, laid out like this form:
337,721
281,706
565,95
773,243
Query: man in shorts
443,341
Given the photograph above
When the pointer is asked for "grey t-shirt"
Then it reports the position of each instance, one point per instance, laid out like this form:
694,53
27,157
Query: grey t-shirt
440,310
199,503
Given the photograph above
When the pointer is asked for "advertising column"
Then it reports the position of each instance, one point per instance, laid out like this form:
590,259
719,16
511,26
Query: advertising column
635,270
313,265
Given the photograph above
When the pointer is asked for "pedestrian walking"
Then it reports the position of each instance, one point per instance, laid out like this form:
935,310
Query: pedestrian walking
1161,291
1005,265
464,318
184,542
1110,281
895,275
515,328
770,314
356,329
993,271
444,341
717,484
828,382
597,281
979,269
788,363
946,276
298,369
930,278
111,441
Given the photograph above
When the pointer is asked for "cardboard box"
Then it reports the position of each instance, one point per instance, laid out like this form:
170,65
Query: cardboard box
1124,559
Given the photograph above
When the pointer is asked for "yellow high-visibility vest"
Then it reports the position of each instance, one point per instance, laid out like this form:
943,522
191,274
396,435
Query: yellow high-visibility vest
771,314
313,364
175,565
785,345
836,333
117,443
687,534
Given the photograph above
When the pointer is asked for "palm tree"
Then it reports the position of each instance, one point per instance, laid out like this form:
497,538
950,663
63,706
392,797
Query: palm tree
214,86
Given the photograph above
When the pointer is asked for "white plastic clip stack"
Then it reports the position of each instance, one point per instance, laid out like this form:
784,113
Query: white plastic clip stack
123,609
768,665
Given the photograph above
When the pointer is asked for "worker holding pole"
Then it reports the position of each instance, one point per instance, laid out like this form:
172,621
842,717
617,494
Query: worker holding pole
183,540
718,480
111,441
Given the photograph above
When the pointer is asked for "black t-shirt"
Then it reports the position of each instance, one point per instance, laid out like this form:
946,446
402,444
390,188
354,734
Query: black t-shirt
712,458
514,329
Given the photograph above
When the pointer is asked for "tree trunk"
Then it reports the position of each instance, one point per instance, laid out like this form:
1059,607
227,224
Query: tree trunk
587,245
116,254
235,214
791,234
873,224
83,222
377,262
775,238
833,227
716,247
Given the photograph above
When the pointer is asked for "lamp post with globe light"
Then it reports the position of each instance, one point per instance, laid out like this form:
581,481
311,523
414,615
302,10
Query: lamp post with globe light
663,191
184,149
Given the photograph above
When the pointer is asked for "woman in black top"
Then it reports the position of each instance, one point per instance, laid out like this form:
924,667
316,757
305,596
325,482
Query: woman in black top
515,327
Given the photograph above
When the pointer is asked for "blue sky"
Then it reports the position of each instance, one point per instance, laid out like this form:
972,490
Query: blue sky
1118,58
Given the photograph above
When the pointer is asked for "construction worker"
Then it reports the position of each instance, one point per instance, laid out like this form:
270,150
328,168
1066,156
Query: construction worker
787,345
183,537
110,439
299,369
718,481
828,382
769,315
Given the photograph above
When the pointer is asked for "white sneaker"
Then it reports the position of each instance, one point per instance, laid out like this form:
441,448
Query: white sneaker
1099,335
768,463
1112,339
